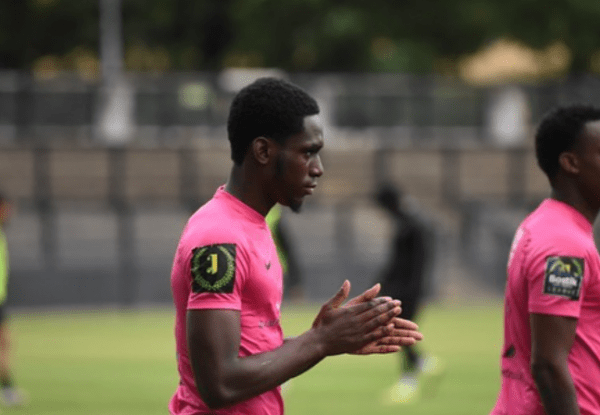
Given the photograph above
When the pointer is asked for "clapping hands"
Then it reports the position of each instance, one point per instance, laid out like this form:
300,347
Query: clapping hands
365,324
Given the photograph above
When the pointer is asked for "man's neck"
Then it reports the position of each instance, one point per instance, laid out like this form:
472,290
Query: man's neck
576,200
247,190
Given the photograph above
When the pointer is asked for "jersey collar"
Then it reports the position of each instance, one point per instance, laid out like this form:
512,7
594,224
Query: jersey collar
573,213
239,206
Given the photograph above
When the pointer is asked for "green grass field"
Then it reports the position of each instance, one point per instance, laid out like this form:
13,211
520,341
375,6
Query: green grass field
122,363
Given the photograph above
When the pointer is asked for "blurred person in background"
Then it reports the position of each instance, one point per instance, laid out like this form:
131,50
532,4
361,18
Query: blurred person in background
550,360
9,394
403,277
292,279
227,280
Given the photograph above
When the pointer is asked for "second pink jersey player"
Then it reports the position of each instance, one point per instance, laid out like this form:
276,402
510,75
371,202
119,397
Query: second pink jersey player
226,259
553,268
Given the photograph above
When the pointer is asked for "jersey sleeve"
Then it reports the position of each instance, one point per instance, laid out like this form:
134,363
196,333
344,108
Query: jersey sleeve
555,278
217,272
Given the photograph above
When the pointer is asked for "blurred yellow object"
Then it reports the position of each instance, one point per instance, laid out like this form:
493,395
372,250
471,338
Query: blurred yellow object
272,219
406,390
412,386
506,61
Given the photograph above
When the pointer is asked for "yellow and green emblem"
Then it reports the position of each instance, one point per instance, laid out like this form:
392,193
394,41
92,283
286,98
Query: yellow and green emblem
213,268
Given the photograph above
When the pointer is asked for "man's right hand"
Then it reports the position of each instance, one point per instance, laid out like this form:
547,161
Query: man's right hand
346,329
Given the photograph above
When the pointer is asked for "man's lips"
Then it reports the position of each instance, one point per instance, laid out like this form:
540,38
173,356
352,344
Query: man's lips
311,188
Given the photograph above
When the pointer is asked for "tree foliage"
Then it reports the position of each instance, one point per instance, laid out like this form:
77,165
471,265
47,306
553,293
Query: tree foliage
296,35
30,29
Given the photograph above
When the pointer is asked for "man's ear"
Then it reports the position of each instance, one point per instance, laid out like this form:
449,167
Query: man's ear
569,162
262,149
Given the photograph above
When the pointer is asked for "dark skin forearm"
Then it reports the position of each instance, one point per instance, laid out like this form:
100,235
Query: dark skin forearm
551,341
556,388
242,378
223,378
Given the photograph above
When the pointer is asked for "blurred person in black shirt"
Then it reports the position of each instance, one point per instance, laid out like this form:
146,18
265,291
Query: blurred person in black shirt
403,277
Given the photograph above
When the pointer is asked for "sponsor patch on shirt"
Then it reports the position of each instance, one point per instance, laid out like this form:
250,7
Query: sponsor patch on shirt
563,276
213,268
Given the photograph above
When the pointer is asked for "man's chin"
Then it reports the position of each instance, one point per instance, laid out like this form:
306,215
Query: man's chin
295,205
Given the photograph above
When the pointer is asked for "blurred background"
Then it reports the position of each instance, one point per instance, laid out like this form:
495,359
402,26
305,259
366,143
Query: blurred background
112,132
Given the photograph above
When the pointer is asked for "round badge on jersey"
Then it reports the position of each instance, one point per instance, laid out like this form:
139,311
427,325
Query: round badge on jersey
213,268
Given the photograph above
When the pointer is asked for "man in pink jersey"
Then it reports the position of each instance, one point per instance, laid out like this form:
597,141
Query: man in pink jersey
227,279
551,356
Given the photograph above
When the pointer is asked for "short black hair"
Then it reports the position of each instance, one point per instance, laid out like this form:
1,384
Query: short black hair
560,130
268,107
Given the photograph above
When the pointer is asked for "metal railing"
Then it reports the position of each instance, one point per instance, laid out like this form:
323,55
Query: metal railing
166,107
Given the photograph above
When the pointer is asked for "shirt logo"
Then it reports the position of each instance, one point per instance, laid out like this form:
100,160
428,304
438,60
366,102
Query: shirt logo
268,265
563,276
213,268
